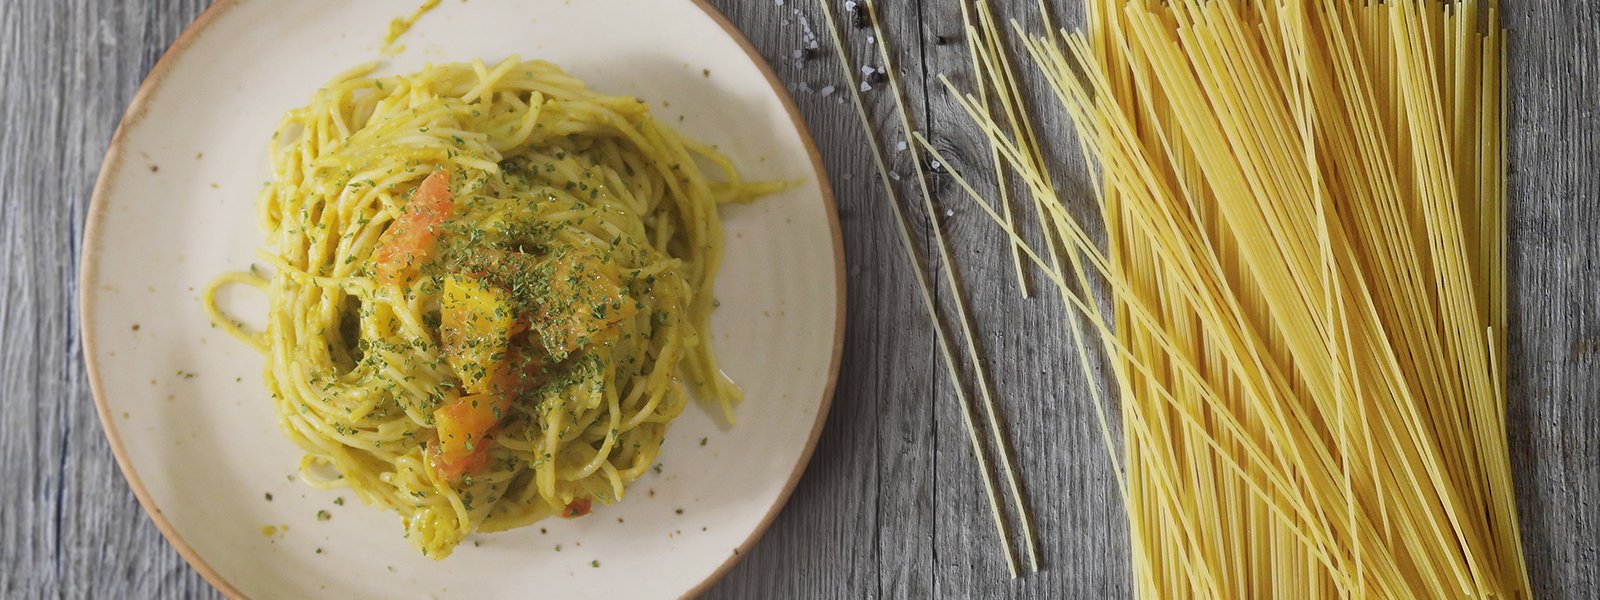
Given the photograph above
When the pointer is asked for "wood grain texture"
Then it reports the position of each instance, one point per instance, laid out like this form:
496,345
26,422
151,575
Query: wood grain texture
891,506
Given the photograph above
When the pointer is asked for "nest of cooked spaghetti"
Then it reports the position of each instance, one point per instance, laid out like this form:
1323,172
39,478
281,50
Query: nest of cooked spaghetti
491,288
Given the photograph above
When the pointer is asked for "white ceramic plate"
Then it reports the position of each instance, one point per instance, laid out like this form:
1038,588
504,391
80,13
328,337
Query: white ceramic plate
182,403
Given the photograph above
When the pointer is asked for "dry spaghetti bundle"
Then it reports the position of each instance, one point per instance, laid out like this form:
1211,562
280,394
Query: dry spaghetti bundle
1304,254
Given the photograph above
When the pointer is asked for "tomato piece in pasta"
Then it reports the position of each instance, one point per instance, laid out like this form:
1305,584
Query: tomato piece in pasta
411,239
463,427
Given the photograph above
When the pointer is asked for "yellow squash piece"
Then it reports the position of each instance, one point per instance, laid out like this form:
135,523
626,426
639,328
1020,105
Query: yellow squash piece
584,304
475,327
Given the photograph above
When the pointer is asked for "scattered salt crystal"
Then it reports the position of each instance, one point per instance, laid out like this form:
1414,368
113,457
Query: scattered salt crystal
805,87
827,89
870,40
934,165
866,86
900,147
867,69
790,86
949,213
850,5
893,175
780,2
808,36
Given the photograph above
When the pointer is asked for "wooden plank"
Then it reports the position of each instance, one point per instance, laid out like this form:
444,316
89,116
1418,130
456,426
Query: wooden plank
70,68
1554,343
868,492
1036,377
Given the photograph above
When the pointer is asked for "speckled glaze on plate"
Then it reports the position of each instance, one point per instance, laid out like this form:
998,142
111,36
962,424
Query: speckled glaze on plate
182,403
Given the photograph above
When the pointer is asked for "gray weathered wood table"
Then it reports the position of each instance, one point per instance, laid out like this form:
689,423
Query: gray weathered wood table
891,505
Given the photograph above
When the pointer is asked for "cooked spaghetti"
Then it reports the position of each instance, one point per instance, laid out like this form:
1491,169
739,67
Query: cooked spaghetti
489,285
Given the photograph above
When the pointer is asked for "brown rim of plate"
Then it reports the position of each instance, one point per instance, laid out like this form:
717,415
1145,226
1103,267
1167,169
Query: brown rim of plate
113,163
